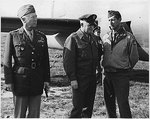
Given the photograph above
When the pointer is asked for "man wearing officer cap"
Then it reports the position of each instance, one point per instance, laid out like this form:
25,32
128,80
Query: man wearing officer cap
120,56
80,58
30,72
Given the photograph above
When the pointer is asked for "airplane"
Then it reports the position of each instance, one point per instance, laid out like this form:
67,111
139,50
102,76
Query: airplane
135,18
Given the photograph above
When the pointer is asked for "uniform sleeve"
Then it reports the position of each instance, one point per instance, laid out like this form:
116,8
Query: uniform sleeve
133,51
100,53
46,64
8,72
100,48
69,58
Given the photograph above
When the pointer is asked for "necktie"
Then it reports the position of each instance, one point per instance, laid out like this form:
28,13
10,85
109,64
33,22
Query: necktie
30,35
113,39
89,38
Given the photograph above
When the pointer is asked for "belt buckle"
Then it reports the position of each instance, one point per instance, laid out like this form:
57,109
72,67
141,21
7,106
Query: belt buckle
33,65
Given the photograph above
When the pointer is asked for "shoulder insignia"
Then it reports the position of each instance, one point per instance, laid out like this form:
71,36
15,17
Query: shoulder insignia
40,32
14,31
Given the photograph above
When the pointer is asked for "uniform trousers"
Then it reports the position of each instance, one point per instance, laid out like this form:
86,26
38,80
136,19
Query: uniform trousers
83,98
116,86
24,103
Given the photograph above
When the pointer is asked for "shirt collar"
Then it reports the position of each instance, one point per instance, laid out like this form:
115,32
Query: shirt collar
27,31
21,30
80,33
121,30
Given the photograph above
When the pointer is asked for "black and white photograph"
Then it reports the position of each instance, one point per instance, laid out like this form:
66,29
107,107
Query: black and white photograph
74,58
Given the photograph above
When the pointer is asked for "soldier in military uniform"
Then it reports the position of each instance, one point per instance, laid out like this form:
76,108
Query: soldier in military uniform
81,57
30,72
120,56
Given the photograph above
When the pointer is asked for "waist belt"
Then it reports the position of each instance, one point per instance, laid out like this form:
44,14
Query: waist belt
116,70
33,65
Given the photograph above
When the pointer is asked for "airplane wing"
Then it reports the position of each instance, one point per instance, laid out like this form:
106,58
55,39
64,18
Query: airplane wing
62,28
47,26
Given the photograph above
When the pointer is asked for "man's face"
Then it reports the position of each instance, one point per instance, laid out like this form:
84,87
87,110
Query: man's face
114,22
88,28
30,20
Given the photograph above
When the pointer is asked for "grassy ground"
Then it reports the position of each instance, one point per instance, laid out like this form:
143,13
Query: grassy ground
59,104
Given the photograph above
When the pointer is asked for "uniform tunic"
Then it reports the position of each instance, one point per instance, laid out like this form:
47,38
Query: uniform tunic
31,62
81,59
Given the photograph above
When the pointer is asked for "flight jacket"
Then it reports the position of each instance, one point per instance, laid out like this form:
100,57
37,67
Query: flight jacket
121,54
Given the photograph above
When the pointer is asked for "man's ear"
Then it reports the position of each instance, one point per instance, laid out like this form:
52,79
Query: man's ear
81,24
120,19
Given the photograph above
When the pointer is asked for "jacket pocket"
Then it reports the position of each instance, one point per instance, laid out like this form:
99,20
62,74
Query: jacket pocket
21,83
21,79
19,48
82,51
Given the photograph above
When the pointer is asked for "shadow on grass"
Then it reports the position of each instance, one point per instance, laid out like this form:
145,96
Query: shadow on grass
139,75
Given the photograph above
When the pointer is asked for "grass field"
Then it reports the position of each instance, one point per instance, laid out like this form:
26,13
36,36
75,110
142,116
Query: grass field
59,104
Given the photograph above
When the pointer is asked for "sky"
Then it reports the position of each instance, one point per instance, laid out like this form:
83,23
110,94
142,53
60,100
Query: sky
67,8
73,9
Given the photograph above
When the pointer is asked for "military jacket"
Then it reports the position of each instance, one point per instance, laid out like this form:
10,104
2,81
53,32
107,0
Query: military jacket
30,68
81,56
121,53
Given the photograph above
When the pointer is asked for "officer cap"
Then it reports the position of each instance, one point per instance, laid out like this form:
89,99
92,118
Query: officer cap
114,13
90,18
25,9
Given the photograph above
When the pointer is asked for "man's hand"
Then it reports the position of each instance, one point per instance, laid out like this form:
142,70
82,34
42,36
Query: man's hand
46,85
74,84
9,87
46,88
